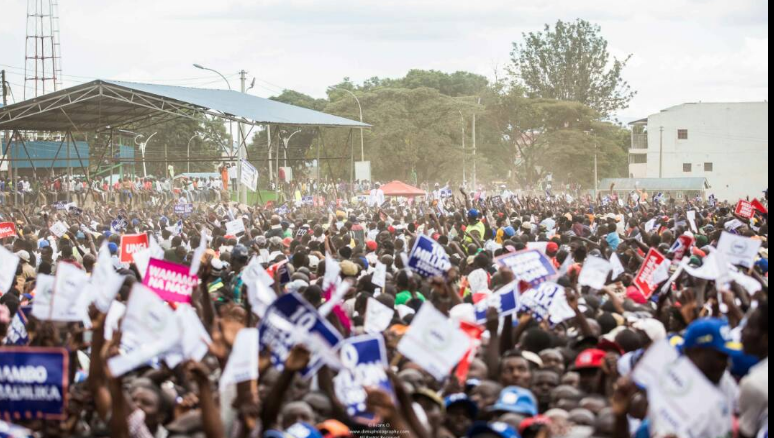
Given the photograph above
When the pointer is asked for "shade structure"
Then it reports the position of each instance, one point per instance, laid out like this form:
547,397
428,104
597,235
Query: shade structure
398,188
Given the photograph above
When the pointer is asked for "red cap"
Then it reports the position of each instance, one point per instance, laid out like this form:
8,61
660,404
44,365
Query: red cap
371,245
541,420
552,248
589,359
636,295
391,229
287,242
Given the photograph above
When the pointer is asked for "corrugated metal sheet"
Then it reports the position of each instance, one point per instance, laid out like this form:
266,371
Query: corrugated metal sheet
656,184
42,154
251,107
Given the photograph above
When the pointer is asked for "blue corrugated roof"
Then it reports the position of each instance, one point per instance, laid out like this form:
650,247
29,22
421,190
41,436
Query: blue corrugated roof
42,154
244,105
656,184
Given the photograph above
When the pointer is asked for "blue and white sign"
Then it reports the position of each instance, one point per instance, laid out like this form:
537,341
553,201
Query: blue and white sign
505,300
428,258
8,430
547,302
364,361
33,382
531,266
118,224
303,317
446,192
249,175
17,331
183,209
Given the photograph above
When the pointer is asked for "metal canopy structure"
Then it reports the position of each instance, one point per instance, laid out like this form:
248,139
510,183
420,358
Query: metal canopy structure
101,104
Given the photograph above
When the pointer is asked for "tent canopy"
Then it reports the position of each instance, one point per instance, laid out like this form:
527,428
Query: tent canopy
101,104
398,188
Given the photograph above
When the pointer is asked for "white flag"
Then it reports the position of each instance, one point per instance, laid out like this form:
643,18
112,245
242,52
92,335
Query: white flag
617,266
594,272
196,261
377,317
379,277
8,264
739,250
68,302
105,281
260,294
242,363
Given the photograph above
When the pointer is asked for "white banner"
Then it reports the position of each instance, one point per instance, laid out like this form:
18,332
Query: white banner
235,227
739,250
249,176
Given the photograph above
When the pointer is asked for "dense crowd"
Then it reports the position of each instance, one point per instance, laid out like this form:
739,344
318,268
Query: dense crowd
593,358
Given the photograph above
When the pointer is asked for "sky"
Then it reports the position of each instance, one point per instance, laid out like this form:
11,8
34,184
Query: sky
682,50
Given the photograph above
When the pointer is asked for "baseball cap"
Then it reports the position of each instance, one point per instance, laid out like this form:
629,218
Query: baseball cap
303,430
498,428
589,359
516,400
462,399
711,333
509,231
472,213
371,245
24,255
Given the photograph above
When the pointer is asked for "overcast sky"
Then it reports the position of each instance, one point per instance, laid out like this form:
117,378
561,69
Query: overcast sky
684,50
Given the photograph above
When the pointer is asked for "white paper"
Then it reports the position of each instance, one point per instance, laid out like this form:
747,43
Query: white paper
540,246
661,273
739,250
260,294
691,215
682,401
332,271
44,290
617,266
336,298
242,363
379,277
58,229
149,329
378,316
733,224
113,317
194,340
105,281
196,261
434,342
8,264
235,227
650,225
594,272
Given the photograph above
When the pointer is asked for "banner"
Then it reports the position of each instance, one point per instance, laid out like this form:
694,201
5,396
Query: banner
530,266
249,175
8,264
33,382
644,281
594,273
364,365
434,342
303,320
130,244
183,209
745,209
505,300
170,281
7,229
428,258
739,250
233,228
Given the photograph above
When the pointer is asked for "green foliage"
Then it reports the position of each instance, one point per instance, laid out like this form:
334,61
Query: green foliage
571,62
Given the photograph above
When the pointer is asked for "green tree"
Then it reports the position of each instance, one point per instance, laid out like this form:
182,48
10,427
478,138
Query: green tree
571,62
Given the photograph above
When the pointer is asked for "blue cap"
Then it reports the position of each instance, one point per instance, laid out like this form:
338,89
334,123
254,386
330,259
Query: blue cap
509,231
517,401
79,235
473,213
273,433
113,248
498,428
44,244
462,399
303,430
763,264
711,333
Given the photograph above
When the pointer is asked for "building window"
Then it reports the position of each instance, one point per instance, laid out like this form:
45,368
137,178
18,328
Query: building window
686,167
638,158
682,134
708,167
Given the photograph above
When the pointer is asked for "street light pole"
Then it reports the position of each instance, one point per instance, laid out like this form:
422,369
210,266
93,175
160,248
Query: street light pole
464,158
143,145
286,140
360,108
189,151
242,147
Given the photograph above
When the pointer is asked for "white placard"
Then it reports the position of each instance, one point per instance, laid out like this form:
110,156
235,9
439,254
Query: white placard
379,277
377,317
617,266
242,363
105,281
739,250
594,272
235,227
249,176
8,264
58,229
68,302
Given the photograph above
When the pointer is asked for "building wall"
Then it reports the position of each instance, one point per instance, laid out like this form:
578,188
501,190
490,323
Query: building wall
732,137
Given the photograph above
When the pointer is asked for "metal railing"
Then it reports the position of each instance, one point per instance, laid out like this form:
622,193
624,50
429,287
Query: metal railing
639,141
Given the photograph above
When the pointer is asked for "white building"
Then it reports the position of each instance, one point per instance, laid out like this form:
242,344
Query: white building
726,143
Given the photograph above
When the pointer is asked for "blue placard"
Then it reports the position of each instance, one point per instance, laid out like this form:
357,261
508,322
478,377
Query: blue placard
33,382
8,430
17,331
530,265
303,316
539,301
505,300
183,209
364,361
428,258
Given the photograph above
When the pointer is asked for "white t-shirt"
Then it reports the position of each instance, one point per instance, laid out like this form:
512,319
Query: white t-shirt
754,400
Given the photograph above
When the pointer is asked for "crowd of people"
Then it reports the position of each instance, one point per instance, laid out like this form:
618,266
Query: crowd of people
570,365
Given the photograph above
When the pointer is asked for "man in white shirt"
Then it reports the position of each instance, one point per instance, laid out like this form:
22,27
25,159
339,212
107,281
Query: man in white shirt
376,197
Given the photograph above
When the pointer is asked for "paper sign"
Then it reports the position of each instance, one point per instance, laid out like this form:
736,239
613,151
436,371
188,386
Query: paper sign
44,290
379,277
691,215
8,264
242,365
364,361
739,250
67,303
505,300
644,280
17,331
249,176
130,244
148,329
428,258
530,266
260,294
745,209
7,229
33,382
617,266
682,401
547,302
8,430
235,227
594,272
434,342
196,260
302,317
59,229
682,246
170,281
183,209
105,281
378,316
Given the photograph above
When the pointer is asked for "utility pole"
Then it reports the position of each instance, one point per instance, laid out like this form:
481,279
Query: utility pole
6,143
596,173
475,183
241,188
661,153
464,158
